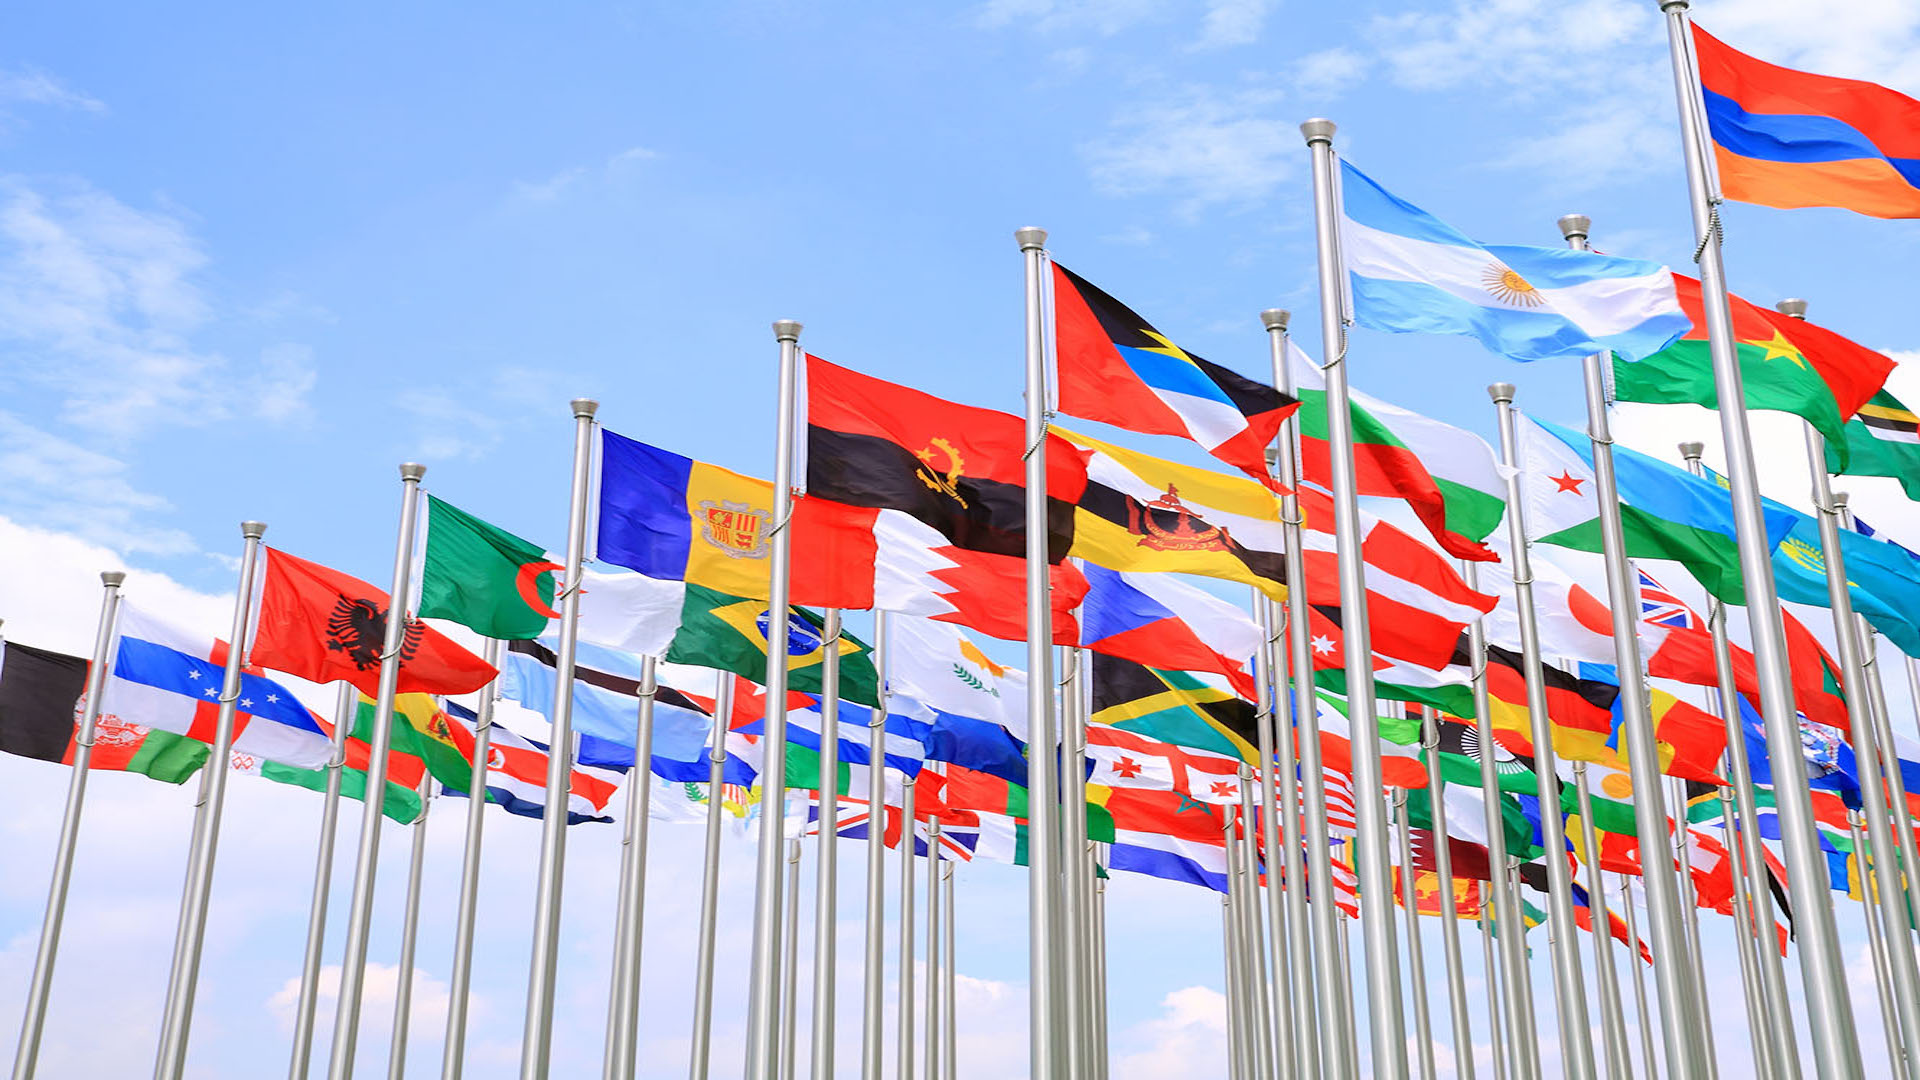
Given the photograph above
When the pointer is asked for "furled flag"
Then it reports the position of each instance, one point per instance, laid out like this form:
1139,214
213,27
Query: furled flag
919,572
322,625
1158,619
41,696
1788,138
677,519
1665,511
482,576
1172,706
1882,439
1412,273
1786,364
960,469
1115,368
730,633
516,768
1449,476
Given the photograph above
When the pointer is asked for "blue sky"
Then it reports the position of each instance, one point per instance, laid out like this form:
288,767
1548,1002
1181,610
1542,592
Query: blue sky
253,257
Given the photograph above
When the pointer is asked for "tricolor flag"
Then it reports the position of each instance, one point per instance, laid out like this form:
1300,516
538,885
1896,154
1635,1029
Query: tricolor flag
41,697
517,770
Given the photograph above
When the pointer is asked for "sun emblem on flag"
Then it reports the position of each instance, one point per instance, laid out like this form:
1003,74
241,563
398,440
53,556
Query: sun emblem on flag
1508,287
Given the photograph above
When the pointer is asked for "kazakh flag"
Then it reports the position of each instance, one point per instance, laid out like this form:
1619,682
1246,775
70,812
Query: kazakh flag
730,633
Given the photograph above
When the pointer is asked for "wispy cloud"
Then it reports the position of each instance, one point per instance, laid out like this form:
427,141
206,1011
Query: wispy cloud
566,180
34,87
59,484
1232,22
1204,147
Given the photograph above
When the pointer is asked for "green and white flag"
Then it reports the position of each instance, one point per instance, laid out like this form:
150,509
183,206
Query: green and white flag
483,577
1883,439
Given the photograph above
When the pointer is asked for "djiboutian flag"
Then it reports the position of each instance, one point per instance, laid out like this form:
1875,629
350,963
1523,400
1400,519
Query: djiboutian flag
320,624
482,576
41,696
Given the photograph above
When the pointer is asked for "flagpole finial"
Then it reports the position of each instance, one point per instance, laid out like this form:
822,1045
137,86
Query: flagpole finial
251,530
1030,238
1318,129
1839,501
1793,307
113,579
786,329
584,408
1275,318
1692,449
1572,225
412,470
1501,392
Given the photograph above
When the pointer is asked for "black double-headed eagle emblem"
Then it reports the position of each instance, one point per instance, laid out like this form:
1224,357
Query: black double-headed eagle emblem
358,628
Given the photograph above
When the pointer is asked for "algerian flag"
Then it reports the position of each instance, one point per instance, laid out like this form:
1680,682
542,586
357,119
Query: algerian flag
730,633
483,577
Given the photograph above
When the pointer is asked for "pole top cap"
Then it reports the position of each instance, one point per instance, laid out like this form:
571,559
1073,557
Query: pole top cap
1501,392
1572,225
113,579
1273,457
1839,500
584,408
1793,306
412,470
1275,318
1692,449
1030,238
786,329
253,530
1318,129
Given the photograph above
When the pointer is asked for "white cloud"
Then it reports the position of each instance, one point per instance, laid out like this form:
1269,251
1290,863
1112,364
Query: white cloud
32,87
1205,147
1232,22
61,484
568,179
1102,17
1324,73
379,990
551,188
1188,1038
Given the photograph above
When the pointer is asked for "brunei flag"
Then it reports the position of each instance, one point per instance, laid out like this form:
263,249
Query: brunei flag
1115,368
1172,706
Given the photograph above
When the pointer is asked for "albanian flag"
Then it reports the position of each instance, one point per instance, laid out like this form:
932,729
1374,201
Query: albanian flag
323,625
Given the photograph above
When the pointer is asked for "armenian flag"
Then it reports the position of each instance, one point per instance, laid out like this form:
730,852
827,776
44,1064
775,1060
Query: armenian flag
1788,139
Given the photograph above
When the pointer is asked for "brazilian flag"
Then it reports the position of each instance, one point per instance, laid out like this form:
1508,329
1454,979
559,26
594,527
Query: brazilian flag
730,633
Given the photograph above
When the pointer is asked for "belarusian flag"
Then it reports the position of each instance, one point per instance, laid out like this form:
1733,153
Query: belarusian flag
730,633
1786,365
483,577
1449,476
1882,439
401,801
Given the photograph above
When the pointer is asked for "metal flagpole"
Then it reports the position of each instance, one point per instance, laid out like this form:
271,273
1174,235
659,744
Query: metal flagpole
1416,952
1042,792
1314,925
1613,1019
1877,948
948,1033
1822,966
1385,1019
1569,988
826,885
1449,911
346,704
1240,1039
616,986
1491,966
1266,1055
1100,976
1236,1059
185,976
1516,975
1348,1029
409,937
38,990
763,995
710,883
1073,862
1690,926
453,1059
873,1023
1649,1057
537,1039
1744,927
790,988
936,977
623,1034
1282,849
904,1069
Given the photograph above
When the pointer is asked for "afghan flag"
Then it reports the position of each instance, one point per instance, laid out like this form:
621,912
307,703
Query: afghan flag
1786,365
41,696
1115,368
730,633
484,577
322,625
1882,439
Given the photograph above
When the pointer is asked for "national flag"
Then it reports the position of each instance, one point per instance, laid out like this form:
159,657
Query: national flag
1412,273
1665,512
960,469
676,519
853,820
1882,439
1616,926
730,633
1120,758
1172,706
322,625
1787,139
1786,365
1430,895
1570,607
1399,766
42,695
919,572
1465,858
482,576
1167,835
516,769
977,707
1340,808
400,802
904,745
1114,368
1450,477
632,613
1158,619
1448,688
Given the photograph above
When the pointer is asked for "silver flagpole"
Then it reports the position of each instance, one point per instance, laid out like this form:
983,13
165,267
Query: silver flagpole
904,1068
1239,1036
1266,1055
1281,845
409,937
1236,1053
948,1033
710,884
1690,927
826,895
1491,965
1744,940
623,1035
1517,976
536,1048
185,977
1613,1018
1649,1057
936,978
1569,988
763,994
346,705
1348,1029
35,1018
790,989
1822,966
872,1007
1416,952
1449,912
1312,927
1385,1019
1877,947
1100,976
453,1059
1073,862
1042,792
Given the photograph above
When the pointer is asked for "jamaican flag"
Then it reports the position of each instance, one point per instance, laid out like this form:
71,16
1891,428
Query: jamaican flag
1172,706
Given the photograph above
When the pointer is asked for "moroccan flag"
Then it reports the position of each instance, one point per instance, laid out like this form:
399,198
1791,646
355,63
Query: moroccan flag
1882,439
1115,368
322,625
484,577
730,633
1787,365
41,695
960,469
1172,706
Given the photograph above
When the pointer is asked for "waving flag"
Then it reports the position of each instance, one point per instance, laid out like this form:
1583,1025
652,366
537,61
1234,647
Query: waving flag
482,576
40,702
1172,706
517,770
1882,439
1157,619
917,571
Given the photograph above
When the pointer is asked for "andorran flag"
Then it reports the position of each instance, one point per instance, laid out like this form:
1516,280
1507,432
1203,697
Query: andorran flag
957,468
1115,368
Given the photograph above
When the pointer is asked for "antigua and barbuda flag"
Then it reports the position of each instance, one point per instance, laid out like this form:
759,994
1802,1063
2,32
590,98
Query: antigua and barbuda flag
1115,368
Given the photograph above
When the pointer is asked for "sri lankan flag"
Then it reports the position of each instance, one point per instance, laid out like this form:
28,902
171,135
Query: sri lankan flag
1115,368
730,633
1787,365
1172,706
1882,439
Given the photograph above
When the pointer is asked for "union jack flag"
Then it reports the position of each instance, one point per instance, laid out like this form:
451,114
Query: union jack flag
959,830
1662,608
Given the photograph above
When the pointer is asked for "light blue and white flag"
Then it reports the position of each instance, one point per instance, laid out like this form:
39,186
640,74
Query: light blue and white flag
1412,273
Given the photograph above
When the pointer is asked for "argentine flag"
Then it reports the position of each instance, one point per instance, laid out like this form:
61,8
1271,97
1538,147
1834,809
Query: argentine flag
1412,273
